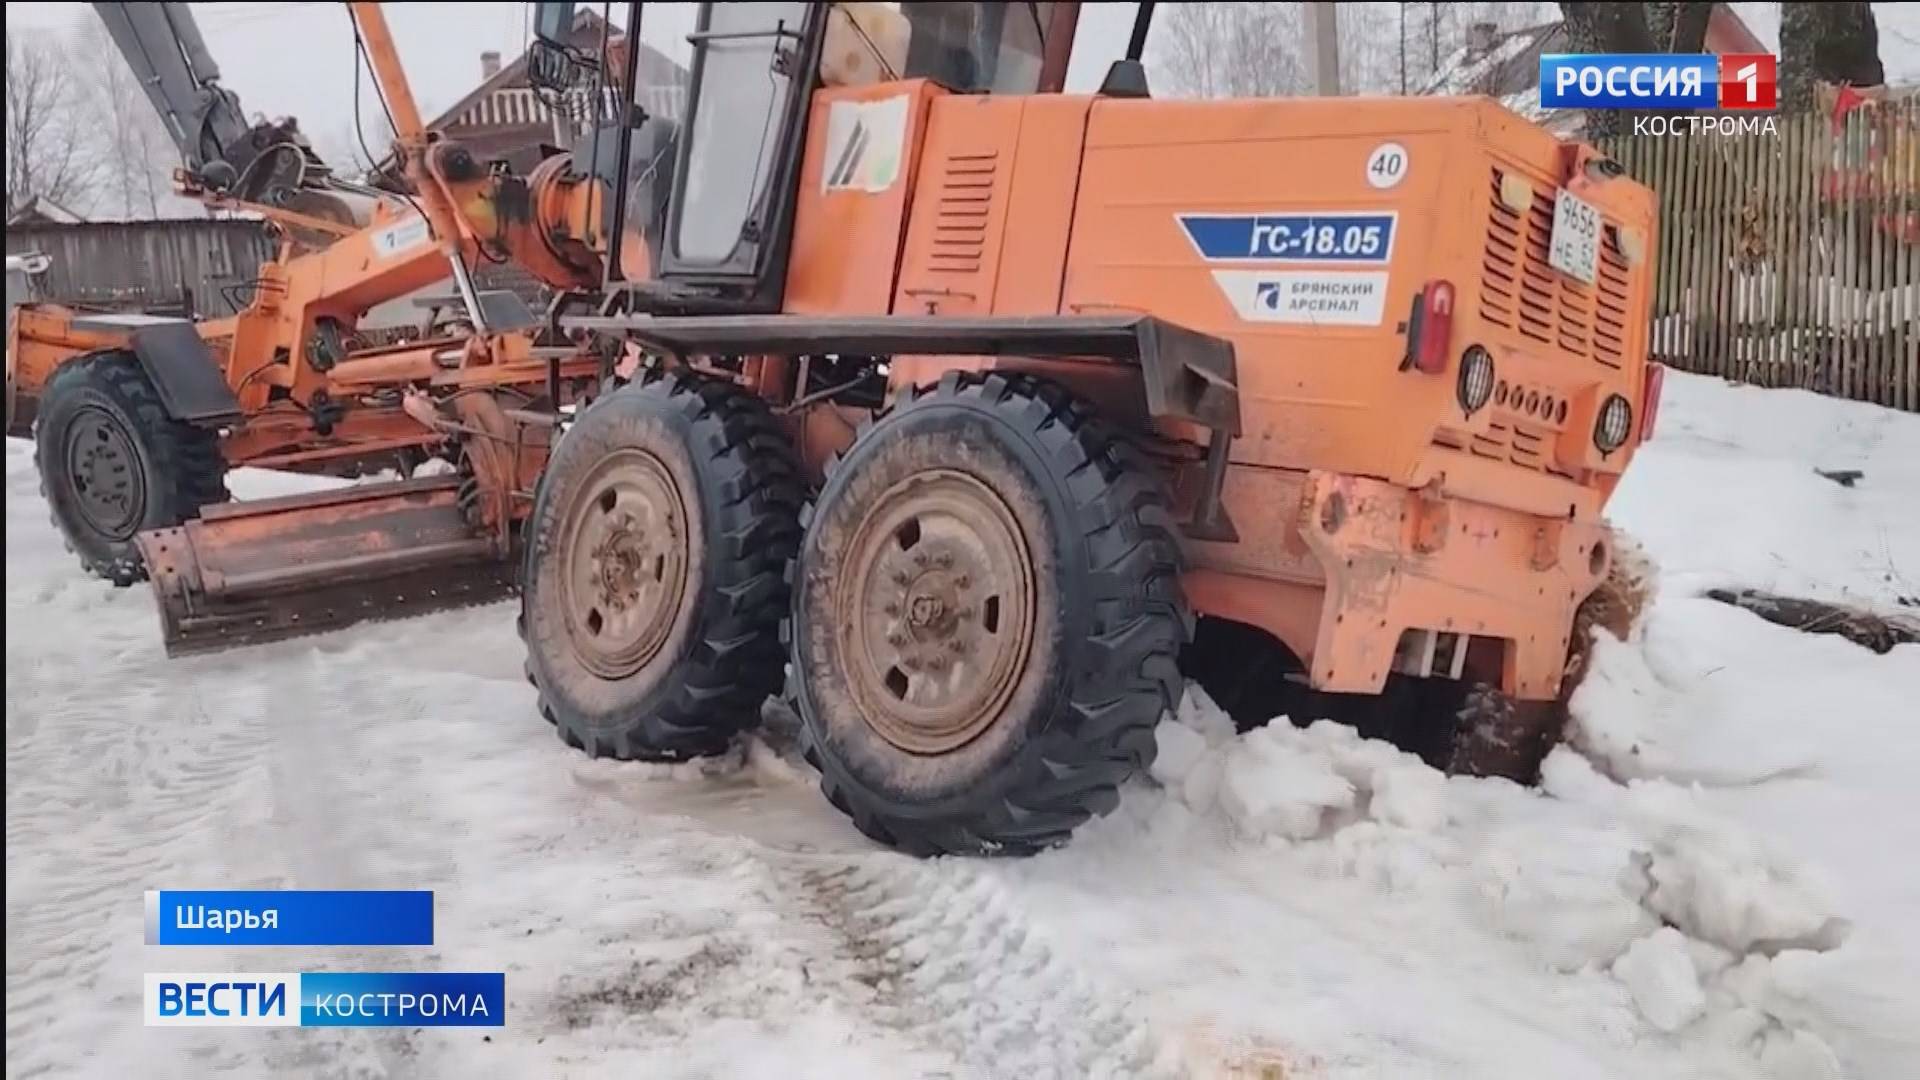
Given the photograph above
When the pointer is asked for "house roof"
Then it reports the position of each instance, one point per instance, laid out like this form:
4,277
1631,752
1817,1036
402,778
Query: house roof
586,25
1512,65
586,30
42,209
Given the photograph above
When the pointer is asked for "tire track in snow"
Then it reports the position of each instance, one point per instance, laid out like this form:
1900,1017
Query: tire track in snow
112,788
952,962
395,757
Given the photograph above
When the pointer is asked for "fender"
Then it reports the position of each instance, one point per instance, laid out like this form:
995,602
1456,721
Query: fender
192,387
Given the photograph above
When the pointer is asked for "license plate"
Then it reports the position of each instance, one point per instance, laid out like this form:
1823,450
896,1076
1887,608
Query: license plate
1575,246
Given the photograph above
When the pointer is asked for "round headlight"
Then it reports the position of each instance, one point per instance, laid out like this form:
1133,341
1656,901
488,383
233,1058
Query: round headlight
1476,379
1614,424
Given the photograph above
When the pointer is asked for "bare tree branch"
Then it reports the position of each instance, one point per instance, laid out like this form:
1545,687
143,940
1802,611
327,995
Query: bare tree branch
47,152
137,158
1258,49
1234,50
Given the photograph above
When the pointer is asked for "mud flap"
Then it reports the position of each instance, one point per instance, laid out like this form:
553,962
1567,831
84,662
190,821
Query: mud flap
251,572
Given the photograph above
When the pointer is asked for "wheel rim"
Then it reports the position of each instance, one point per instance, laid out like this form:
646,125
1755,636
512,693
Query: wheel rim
103,466
625,559
936,611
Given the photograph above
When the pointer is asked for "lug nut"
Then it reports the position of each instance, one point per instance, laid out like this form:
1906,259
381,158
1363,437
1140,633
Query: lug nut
891,609
911,663
899,577
962,581
919,558
944,560
896,639
959,647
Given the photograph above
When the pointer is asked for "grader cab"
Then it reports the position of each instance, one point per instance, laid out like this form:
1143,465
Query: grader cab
969,414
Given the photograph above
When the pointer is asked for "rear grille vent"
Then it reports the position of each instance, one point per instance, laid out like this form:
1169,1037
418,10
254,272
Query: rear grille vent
1520,291
960,219
1522,445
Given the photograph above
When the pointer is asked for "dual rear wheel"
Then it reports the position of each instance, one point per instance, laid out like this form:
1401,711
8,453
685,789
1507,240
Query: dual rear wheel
980,612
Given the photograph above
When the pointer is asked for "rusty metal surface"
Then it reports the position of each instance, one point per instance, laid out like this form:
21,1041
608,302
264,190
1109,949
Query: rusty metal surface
936,603
505,457
1338,568
246,573
624,550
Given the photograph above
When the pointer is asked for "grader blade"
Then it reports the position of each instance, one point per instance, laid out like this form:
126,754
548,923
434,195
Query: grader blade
252,572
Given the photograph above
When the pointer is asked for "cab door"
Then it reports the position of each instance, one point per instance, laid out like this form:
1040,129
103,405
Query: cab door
732,206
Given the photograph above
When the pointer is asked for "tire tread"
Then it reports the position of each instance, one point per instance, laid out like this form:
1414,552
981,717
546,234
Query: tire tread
735,665
186,458
1103,733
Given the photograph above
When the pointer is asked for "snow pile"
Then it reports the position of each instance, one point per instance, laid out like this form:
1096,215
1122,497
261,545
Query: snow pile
1716,878
1684,911
1659,973
1279,781
1719,883
1727,495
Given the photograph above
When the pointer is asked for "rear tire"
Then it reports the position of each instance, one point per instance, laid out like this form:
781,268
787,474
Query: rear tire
986,619
654,585
1495,735
113,464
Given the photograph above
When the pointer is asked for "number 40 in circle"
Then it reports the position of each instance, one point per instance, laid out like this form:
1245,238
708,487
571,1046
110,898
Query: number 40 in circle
1387,165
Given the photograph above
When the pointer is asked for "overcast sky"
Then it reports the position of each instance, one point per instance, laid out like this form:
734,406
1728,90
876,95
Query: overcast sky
297,59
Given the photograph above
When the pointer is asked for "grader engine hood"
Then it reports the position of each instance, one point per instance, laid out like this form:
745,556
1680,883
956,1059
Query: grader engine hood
1400,279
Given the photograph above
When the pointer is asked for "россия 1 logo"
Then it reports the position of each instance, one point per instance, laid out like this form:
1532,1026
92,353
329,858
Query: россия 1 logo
1735,82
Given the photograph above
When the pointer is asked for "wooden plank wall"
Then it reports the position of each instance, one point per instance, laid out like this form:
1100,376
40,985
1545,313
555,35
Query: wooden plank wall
201,264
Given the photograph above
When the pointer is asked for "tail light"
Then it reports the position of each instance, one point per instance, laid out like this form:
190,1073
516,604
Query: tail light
1429,328
1650,399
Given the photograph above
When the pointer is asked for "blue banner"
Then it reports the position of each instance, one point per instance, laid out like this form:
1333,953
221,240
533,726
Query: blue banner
1629,81
326,999
403,999
289,917
1351,239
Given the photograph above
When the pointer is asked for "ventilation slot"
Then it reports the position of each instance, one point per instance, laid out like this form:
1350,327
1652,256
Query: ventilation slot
960,218
1519,290
1517,444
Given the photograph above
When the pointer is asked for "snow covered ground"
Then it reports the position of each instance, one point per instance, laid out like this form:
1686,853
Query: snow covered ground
1718,879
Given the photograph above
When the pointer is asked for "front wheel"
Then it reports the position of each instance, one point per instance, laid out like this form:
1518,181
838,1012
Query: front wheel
986,619
113,464
654,580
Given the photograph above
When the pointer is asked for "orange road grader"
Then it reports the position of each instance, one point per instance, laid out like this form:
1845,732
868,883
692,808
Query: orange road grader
137,418
975,411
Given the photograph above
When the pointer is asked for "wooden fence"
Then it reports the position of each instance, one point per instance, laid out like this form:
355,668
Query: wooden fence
195,265
1791,257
